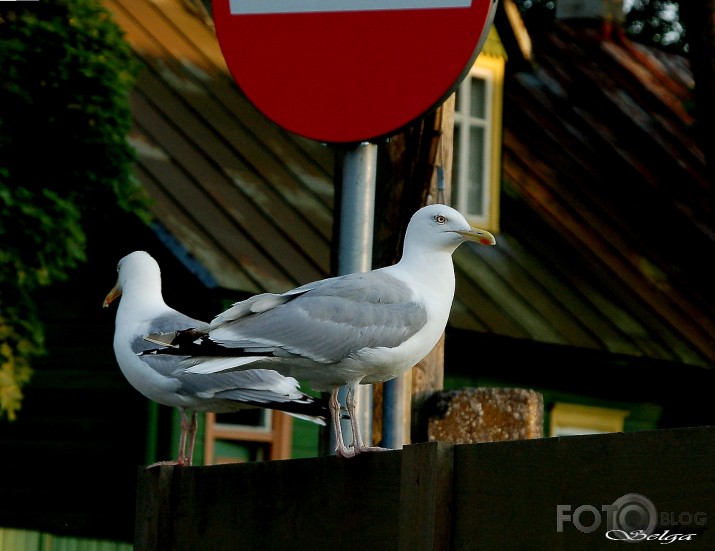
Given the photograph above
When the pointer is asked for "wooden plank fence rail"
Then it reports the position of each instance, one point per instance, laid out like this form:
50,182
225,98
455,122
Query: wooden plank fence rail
560,493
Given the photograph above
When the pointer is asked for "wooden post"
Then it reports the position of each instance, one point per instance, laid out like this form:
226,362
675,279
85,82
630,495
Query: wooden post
407,180
428,374
154,509
426,497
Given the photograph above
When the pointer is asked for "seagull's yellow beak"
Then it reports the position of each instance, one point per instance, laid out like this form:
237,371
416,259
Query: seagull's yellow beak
112,295
483,237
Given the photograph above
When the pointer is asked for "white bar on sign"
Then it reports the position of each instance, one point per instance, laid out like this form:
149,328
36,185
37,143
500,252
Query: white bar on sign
245,7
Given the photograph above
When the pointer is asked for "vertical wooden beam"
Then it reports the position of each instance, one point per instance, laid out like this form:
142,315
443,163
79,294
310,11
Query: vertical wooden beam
428,374
443,149
426,497
153,527
281,446
209,439
427,378
407,180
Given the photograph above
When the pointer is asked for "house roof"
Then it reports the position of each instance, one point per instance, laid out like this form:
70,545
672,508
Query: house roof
250,202
604,217
610,193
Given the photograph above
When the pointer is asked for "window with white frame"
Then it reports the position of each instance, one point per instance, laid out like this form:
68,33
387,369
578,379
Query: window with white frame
477,144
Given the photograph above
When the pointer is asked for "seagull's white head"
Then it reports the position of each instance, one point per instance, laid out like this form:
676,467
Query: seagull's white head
138,268
439,227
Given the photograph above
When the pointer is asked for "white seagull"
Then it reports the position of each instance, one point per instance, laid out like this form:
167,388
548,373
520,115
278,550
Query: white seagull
141,312
358,328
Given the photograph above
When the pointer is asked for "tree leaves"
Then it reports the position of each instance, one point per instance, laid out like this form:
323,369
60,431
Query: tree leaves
64,158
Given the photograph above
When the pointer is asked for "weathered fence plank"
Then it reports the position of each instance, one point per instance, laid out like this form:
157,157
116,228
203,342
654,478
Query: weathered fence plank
507,494
425,497
302,504
548,493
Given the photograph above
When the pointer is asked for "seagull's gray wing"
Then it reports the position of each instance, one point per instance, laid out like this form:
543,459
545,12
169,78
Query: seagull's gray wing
255,386
170,323
328,321
257,304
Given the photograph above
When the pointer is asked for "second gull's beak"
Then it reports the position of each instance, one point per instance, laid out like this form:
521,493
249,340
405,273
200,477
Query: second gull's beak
112,295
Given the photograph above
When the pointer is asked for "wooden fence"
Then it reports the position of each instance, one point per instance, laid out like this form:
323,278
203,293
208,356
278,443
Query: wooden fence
560,493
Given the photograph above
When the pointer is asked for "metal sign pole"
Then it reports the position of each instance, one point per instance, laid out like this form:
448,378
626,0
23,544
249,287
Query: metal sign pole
393,412
357,216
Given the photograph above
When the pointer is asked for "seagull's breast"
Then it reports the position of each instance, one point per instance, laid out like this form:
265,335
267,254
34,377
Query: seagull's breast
144,377
434,297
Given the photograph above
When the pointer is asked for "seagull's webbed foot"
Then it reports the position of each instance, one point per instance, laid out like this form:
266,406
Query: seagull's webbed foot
188,436
364,449
175,463
344,451
358,444
341,450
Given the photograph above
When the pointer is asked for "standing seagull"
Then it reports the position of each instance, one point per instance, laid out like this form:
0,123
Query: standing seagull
358,328
142,311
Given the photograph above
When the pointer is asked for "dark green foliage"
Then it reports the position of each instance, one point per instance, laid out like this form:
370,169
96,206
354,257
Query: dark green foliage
657,22
537,13
652,22
64,156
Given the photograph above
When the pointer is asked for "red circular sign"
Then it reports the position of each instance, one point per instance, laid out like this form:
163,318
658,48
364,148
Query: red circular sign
349,70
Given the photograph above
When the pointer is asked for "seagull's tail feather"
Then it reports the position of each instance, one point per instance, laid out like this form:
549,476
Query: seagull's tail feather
317,420
304,411
311,409
266,388
209,365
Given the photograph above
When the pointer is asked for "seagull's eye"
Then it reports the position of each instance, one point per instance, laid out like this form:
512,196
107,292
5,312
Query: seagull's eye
440,219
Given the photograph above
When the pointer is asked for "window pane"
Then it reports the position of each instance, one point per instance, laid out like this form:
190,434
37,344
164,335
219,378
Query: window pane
456,150
475,192
472,123
477,97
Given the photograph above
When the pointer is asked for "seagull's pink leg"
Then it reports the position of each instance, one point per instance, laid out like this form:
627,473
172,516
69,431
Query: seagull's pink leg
185,427
351,405
192,438
181,459
334,404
